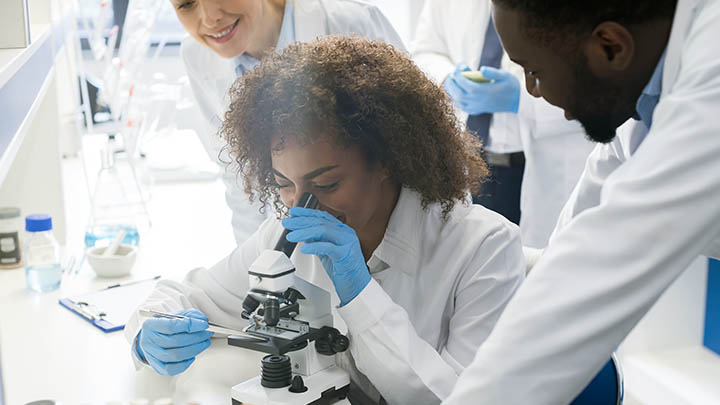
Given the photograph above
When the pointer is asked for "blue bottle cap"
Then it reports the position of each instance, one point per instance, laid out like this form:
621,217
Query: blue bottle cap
38,223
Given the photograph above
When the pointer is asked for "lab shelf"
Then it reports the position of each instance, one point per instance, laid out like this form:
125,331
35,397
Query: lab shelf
24,79
663,358
30,170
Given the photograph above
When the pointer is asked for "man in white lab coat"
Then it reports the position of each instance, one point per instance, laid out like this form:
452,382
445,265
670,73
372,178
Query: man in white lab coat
647,204
453,33
213,66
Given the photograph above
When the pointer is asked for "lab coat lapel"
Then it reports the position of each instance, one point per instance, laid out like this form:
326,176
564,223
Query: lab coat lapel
684,16
400,246
221,76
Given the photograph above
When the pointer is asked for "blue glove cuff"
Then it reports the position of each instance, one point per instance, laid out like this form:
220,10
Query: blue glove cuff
138,349
358,286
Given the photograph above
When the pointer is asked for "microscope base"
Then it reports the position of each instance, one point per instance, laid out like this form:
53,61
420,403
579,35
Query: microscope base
324,387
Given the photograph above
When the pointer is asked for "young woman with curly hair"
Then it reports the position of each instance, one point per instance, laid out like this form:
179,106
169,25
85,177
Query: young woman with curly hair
417,275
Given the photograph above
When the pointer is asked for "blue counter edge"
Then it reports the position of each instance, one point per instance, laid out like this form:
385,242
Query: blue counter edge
711,338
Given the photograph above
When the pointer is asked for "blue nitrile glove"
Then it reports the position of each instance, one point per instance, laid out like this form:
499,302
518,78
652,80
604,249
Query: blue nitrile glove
336,244
170,345
501,94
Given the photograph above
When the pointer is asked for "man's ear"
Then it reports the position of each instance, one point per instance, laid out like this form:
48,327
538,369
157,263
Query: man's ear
609,50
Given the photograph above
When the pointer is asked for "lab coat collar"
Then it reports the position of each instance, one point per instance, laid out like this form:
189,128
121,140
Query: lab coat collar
310,19
400,246
246,62
650,95
685,11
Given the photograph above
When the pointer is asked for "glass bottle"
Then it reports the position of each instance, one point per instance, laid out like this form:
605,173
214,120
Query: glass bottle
42,254
10,225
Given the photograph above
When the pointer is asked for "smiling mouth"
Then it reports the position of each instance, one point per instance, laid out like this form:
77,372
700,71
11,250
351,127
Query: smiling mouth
226,31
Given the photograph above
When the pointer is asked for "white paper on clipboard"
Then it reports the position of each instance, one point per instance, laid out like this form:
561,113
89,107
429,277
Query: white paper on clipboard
118,302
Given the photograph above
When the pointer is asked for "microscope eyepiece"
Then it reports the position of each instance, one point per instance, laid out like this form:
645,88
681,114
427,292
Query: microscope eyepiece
307,200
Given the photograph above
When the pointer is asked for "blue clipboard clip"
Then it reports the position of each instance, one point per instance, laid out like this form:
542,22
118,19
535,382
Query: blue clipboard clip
90,314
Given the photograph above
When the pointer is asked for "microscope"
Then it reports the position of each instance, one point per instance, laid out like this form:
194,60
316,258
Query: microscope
291,320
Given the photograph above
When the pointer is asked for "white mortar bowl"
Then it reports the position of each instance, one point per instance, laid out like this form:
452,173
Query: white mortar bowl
117,265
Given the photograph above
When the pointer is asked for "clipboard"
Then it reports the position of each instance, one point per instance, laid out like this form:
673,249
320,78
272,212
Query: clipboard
108,309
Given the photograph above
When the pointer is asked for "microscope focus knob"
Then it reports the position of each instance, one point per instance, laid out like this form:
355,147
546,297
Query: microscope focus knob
275,371
331,342
340,343
298,385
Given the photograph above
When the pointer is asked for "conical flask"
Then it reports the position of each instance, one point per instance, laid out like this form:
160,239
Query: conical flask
116,203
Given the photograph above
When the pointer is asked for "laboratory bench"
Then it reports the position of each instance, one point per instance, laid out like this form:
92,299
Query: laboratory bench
47,352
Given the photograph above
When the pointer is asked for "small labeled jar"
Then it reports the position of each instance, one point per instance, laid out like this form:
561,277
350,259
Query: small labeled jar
42,254
10,226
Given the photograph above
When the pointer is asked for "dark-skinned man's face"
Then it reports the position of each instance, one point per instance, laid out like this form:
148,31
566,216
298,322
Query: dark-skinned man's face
566,78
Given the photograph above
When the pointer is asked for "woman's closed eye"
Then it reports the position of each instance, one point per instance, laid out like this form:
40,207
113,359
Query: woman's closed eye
185,5
282,184
327,187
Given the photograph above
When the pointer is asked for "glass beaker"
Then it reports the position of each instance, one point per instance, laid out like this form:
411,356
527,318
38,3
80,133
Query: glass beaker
117,203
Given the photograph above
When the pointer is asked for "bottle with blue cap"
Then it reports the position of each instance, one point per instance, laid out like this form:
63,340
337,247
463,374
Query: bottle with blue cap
42,254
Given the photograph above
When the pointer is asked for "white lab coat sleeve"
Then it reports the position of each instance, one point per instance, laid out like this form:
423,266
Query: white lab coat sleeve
406,369
218,292
429,48
602,273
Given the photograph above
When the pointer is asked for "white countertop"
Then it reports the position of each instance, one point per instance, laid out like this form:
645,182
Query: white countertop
47,352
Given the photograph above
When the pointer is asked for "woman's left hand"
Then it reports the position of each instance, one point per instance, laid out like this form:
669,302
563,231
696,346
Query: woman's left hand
336,244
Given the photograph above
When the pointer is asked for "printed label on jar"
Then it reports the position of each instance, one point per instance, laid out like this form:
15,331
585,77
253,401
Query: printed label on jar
9,249
40,255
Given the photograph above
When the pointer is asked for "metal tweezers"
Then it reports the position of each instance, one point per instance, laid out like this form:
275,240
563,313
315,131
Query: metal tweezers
212,327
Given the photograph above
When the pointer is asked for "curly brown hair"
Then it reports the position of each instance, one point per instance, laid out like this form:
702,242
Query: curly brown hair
362,94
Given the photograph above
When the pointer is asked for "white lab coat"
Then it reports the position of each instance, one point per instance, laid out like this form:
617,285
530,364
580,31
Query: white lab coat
450,32
211,76
437,289
647,205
